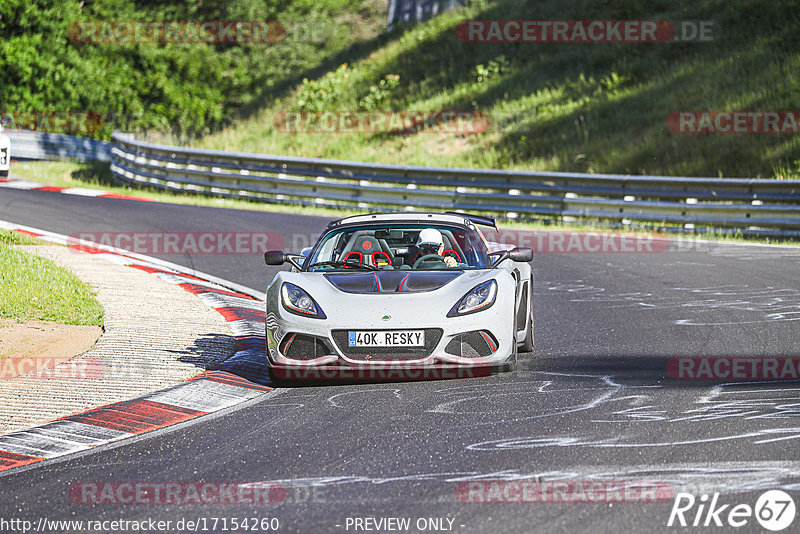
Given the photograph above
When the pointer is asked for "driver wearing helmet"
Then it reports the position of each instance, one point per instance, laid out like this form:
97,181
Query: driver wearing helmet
5,157
430,242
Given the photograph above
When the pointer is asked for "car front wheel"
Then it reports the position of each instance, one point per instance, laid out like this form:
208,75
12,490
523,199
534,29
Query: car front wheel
527,342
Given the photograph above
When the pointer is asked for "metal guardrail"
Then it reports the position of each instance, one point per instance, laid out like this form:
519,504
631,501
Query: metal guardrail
46,146
748,205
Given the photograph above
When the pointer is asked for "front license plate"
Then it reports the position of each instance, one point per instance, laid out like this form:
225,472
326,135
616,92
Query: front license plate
387,338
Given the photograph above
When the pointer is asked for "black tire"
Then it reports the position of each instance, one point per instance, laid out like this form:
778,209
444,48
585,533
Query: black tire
527,343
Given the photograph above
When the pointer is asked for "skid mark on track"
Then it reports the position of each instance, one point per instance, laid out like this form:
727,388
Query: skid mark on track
332,399
769,435
724,401
723,477
606,385
638,411
754,253
755,304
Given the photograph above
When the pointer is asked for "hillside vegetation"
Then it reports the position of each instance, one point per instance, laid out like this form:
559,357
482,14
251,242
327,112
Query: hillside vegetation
587,107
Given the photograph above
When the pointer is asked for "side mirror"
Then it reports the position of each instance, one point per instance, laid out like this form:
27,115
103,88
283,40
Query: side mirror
274,257
277,257
522,255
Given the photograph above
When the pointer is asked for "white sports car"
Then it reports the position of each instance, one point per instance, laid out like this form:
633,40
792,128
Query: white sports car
5,154
399,296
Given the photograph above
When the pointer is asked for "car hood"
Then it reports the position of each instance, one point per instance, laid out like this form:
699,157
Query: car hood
391,281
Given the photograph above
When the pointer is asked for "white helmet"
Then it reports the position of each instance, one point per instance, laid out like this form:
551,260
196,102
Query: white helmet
430,236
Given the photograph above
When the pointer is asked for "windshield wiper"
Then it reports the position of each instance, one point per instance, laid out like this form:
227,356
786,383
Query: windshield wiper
343,264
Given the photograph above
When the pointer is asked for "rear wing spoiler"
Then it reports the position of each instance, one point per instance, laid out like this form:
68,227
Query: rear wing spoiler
477,219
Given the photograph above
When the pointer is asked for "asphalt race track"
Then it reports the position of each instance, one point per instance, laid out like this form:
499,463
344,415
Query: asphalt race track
593,402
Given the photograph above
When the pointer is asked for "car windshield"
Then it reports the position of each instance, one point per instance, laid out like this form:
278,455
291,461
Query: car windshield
399,247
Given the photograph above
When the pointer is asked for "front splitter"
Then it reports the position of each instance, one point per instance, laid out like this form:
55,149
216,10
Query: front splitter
381,372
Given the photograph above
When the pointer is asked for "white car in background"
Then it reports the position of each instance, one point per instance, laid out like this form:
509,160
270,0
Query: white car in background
5,154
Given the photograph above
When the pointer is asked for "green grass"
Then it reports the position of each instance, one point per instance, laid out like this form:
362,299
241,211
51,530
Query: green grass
564,107
16,238
35,288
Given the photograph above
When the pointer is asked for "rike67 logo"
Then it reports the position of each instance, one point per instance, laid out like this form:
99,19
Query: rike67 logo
774,510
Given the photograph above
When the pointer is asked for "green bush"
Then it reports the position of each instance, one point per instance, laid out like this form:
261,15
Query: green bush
318,95
379,96
496,67
582,107
183,89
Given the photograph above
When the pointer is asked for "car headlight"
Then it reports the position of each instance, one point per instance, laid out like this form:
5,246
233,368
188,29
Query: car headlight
297,301
478,298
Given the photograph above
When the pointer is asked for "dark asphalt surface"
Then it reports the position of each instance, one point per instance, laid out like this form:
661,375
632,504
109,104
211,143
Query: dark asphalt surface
592,402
